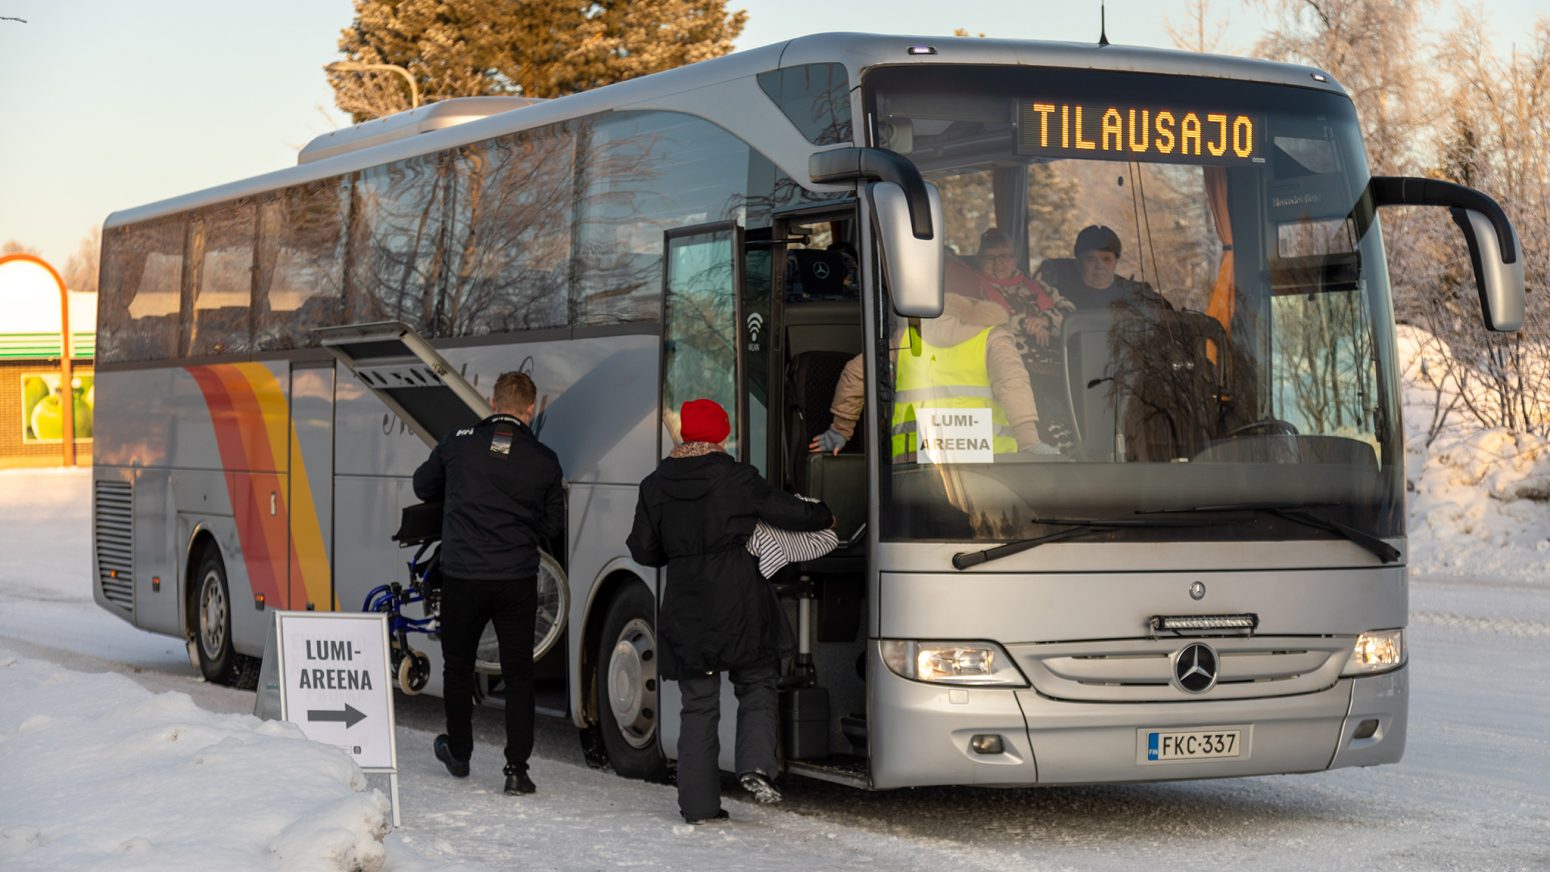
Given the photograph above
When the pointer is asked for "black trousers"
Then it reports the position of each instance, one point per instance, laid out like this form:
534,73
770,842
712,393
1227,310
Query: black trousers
467,605
699,742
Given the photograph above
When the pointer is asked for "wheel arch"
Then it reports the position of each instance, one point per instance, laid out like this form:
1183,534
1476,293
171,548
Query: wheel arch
613,583
199,538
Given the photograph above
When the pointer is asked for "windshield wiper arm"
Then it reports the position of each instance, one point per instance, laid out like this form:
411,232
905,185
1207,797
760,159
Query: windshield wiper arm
1295,512
1074,527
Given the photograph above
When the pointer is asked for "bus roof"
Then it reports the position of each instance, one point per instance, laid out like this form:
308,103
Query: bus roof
721,90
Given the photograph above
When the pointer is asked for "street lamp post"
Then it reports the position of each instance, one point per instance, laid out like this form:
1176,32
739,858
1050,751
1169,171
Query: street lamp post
357,66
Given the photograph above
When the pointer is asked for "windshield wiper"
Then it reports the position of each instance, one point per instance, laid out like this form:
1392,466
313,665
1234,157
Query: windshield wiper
1074,527
1294,512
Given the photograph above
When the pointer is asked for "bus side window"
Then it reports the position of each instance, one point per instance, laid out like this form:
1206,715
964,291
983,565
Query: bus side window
300,269
142,274
223,292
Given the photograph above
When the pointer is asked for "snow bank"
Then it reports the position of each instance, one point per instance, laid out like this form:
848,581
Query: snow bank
1478,500
99,773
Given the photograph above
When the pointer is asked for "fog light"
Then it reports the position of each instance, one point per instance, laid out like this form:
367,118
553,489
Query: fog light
1366,729
985,743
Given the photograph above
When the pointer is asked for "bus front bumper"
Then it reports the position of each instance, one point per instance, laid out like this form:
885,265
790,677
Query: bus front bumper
923,734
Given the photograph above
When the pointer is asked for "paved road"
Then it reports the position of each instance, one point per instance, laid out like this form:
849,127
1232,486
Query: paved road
1473,791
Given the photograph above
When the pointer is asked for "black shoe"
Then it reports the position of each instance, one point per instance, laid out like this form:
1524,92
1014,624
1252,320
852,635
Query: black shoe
518,783
757,783
720,816
458,768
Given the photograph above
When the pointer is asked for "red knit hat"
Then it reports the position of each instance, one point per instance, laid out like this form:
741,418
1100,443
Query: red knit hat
703,420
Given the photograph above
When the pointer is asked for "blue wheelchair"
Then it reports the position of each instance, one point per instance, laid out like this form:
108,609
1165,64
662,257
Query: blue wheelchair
420,528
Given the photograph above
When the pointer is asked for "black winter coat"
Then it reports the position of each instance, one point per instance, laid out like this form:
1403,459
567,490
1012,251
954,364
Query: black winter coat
497,506
694,516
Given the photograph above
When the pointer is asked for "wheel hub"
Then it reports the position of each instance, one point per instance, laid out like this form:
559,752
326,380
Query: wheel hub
632,683
212,615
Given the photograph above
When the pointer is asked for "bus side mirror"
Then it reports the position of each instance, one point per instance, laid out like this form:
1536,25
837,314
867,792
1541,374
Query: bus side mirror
1500,283
913,266
1494,250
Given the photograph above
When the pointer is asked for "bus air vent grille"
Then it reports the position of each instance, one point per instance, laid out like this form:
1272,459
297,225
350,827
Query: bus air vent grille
1141,670
113,541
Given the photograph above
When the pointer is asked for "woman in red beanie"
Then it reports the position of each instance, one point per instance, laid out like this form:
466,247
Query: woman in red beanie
718,614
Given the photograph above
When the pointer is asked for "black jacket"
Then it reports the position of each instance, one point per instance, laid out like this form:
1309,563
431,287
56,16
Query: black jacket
694,516
497,508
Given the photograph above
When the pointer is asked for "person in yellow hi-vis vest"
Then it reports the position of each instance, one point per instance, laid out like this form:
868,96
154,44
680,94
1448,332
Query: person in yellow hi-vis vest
964,359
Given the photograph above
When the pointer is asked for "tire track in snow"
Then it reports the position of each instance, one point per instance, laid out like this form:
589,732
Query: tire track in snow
1498,625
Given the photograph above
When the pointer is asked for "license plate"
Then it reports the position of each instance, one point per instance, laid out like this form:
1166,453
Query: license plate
1163,746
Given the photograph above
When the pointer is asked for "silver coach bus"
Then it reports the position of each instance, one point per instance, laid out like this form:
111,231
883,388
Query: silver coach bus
1208,580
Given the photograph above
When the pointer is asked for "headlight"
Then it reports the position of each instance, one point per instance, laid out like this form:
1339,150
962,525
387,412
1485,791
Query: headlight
1376,651
978,663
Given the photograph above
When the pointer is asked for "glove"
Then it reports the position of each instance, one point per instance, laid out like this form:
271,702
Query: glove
830,441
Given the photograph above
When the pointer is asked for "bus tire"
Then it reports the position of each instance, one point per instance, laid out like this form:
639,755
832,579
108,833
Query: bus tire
212,618
627,686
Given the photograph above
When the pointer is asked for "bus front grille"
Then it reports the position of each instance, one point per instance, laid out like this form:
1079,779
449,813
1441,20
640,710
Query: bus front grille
113,540
1142,670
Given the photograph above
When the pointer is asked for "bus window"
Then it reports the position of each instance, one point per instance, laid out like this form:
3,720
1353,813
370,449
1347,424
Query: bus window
814,97
396,263
511,258
642,174
142,276
699,338
300,275
223,296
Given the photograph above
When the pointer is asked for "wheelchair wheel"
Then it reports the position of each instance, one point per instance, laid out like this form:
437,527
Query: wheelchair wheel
553,608
414,671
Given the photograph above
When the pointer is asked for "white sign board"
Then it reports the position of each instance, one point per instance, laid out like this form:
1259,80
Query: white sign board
334,678
954,436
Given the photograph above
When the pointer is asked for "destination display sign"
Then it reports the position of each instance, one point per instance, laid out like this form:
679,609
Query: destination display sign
1119,131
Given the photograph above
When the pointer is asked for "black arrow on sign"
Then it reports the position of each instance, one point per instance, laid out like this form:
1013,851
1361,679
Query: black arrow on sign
350,715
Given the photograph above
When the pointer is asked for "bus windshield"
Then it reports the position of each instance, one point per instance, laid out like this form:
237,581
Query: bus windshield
1163,294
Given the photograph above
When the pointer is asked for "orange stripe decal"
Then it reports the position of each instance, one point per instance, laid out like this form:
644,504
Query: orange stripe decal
279,528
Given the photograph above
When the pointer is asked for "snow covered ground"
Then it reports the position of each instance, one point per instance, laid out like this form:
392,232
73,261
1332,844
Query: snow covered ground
1478,500
114,755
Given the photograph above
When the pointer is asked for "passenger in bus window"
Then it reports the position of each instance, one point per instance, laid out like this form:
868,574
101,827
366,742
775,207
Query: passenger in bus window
1090,280
694,515
967,359
502,498
1037,312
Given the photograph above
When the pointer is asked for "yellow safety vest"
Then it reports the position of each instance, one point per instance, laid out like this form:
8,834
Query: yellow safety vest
955,377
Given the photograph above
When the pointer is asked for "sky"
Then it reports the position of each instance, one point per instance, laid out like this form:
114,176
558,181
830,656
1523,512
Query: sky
107,104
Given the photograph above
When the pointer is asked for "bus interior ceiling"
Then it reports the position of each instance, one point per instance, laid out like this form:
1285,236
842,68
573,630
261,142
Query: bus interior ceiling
824,694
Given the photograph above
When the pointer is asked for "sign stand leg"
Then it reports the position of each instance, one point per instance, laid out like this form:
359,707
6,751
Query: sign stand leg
393,791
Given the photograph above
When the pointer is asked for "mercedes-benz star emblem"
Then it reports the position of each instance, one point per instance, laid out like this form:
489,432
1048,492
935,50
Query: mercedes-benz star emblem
821,270
1197,590
1194,669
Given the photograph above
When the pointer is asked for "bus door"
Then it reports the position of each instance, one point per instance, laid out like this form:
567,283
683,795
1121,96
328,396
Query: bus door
311,499
816,294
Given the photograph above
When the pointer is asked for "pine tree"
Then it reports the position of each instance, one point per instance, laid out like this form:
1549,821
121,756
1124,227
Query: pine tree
531,48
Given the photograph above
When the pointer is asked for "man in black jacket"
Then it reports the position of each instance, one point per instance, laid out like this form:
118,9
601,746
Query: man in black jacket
501,497
718,614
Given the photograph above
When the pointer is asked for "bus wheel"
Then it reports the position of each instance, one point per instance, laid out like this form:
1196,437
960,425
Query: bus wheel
627,684
212,606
